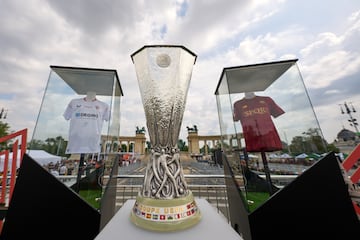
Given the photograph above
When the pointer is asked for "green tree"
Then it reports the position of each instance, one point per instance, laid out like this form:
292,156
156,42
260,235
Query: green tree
316,142
50,145
36,144
123,147
131,147
202,150
310,142
297,145
182,145
61,146
56,146
4,131
331,147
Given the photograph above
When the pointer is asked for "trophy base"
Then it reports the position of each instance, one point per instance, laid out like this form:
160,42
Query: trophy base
165,215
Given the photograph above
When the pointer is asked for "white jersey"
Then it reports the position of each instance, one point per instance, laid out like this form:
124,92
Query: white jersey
86,121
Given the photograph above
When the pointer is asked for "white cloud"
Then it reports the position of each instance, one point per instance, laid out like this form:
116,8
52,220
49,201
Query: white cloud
103,34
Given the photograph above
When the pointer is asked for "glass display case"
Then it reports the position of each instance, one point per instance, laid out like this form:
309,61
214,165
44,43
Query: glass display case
79,113
270,133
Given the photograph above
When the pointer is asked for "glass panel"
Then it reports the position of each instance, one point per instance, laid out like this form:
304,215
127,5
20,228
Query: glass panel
82,170
231,137
266,112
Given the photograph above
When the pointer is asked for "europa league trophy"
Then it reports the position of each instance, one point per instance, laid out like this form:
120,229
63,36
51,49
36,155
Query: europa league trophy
164,202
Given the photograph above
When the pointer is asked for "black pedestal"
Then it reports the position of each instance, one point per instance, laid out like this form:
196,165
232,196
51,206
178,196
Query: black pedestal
316,205
42,207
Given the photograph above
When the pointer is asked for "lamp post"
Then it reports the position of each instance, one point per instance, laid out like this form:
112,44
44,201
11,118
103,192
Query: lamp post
3,113
353,121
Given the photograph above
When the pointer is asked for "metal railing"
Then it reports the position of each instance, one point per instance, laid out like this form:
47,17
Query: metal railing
10,158
211,187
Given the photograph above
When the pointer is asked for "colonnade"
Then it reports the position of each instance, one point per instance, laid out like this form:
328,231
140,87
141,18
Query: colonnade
194,141
114,145
139,143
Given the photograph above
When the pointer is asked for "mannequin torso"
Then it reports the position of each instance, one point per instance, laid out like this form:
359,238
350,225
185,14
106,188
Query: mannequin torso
90,96
249,95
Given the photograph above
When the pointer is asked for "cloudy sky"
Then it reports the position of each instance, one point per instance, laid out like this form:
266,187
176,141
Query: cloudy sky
323,35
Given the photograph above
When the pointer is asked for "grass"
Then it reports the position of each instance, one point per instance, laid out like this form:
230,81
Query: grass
255,199
90,196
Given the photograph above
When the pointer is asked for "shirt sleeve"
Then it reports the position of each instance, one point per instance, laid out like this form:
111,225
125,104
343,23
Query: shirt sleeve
106,115
236,114
275,110
68,111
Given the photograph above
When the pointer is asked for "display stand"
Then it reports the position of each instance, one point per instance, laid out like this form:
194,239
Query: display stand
66,84
78,178
211,226
267,172
265,109
42,207
102,88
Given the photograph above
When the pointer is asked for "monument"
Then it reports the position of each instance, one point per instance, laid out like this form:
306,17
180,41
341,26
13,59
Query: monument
164,203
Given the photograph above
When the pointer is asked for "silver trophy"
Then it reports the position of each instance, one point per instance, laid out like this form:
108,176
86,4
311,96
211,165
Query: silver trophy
164,203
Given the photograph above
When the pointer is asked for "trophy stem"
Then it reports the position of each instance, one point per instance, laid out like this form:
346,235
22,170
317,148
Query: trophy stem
164,178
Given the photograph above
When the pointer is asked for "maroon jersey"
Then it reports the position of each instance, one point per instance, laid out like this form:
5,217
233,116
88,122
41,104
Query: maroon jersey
258,128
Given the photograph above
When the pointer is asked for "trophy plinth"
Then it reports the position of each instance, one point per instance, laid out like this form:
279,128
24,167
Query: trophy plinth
165,215
164,202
